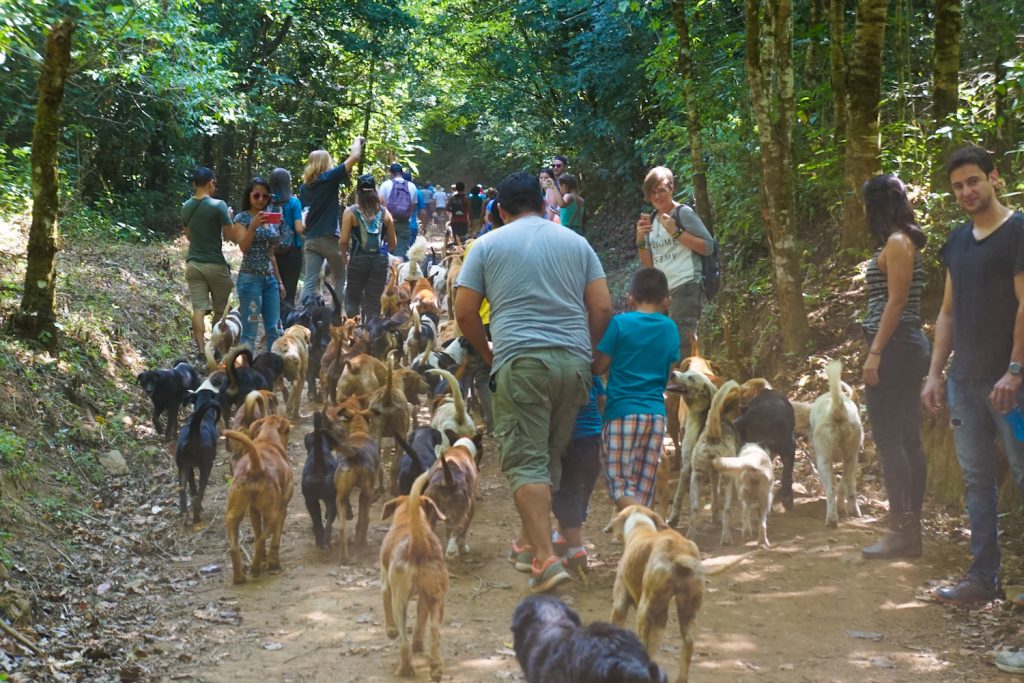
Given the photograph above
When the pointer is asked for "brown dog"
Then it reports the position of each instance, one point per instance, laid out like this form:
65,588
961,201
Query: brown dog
293,348
657,565
262,486
454,488
424,300
259,403
362,375
411,564
358,463
389,415
413,386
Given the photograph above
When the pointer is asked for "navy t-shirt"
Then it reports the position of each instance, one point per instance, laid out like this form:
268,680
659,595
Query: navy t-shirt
321,197
984,302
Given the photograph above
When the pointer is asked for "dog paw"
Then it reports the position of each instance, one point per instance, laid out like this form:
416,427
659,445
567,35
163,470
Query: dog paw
392,632
787,502
436,673
417,645
405,670
832,522
452,550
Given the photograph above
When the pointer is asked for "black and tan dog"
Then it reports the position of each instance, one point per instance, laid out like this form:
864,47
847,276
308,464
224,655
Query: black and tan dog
553,646
169,390
262,373
197,450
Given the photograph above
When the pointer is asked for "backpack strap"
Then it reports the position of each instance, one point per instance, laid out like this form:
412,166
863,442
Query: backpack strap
196,208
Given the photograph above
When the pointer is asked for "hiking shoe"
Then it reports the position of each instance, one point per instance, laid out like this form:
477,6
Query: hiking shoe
550,575
578,563
1010,660
966,592
521,557
558,544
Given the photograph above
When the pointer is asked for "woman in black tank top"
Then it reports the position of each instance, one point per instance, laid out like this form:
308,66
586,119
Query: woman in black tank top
365,226
897,361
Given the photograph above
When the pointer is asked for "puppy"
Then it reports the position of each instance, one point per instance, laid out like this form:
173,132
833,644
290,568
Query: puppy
417,457
225,334
262,486
837,435
293,348
197,450
168,389
453,487
389,415
750,476
695,391
411,564
318,482
552,646
719,439
657,565
769,420
451,416
358,463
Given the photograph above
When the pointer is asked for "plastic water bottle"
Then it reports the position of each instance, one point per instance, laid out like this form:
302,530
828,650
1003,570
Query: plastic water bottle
1015,418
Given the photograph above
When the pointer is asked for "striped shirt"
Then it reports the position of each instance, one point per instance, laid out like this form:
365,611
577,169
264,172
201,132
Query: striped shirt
878,294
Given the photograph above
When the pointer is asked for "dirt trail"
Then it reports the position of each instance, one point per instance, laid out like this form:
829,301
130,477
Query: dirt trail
808,609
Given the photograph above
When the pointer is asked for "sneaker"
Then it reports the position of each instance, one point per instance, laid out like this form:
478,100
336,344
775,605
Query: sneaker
1010,660
558,544
578,564
548,576
521,557
966,592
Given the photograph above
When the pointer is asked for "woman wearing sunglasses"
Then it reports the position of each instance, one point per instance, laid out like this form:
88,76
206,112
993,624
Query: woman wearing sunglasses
259,284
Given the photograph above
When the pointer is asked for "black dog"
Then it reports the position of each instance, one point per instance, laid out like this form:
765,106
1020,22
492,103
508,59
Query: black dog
169,390
261,373
552,646
769,422
418,457
318,481
197,449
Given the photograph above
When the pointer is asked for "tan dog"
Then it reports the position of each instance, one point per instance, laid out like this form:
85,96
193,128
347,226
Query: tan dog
751,388
695,391
454,488
362,375
424,300
411,564
750,476
389,415
676,409
358,456
413,386
719,439
293,347
453,276
259,403
262,486
838,436
390,300
657,565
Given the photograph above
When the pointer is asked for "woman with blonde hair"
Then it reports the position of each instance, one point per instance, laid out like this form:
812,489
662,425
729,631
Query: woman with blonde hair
319,193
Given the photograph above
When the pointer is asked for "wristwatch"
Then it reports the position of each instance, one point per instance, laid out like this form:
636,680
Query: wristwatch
1015,368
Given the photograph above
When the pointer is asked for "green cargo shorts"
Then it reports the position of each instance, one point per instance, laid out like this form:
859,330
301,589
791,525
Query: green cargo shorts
685,312
536,397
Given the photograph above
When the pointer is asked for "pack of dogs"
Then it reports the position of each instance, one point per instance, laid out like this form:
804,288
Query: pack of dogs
372,378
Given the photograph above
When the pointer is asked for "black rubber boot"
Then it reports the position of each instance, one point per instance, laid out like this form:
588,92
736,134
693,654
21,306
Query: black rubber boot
902,540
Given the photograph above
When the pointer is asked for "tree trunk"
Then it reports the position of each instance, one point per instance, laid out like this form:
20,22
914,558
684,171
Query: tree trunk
37,316
685,66
945,59
812,66
837,59
864,91
769,64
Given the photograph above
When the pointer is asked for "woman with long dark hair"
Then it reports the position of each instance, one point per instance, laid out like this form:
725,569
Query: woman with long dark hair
363,226
258,283
898,357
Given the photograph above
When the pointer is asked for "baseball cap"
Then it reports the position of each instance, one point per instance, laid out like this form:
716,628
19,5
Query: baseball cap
395,167
366,182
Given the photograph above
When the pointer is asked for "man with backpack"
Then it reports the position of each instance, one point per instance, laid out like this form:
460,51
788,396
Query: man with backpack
399,196
458,209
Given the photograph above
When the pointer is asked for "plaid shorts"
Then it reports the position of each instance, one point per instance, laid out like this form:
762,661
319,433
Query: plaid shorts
633,445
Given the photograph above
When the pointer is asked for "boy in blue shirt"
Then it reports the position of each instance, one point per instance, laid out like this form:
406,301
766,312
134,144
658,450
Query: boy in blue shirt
639,348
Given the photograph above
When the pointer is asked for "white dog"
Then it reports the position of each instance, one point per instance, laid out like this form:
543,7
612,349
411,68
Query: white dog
750,476
696,391
451,415
837,435
223,336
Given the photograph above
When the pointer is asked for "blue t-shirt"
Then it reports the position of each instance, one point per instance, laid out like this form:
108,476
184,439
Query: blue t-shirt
588,420
290,212
643,348
322,199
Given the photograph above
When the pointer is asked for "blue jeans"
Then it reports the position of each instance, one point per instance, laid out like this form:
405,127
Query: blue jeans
976,426
258,297
315,251
402,230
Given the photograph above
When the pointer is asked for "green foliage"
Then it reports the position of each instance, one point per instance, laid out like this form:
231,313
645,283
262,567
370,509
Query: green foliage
14,461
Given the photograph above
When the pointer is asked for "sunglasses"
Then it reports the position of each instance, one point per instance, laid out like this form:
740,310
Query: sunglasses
557,165
259,195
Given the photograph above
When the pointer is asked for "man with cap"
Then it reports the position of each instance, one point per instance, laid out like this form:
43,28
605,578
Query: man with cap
399,197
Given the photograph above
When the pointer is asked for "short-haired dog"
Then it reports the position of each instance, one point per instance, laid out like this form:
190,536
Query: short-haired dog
358,456
750,477
695,391
293,348
768,419
838,435
223,335
719,439
454,488
168,389
318,482
197,450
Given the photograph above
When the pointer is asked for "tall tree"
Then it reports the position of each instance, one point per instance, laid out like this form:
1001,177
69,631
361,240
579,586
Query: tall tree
837,64
37,316
864,88
685,66
945,59
769,62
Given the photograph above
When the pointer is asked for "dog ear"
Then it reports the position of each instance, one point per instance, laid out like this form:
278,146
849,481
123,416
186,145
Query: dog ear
390,506
659,522
617,523
430,507
452,436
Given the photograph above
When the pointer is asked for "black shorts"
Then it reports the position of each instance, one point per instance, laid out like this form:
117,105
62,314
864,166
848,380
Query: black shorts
460,230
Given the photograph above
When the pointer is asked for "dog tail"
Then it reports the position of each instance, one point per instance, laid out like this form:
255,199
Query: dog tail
418,529
713,427
694,344
417,252
685,566
389,384
254,454
453,385
229,367
254,399
318,442
729,464
338,310
834,371
449,480
406,446
425,356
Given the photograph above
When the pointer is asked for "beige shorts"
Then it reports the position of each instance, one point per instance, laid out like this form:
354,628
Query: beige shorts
206,281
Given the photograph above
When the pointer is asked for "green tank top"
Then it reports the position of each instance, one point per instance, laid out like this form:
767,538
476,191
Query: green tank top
571,216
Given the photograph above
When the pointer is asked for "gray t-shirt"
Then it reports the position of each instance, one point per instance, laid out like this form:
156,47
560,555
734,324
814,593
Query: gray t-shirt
534,273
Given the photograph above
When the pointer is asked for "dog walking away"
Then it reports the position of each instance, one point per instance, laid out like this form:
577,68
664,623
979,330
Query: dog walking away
451,416
657,566
411,564
553,646
389,416
454,488
197,450
225,334
768,419
168,389
837,435
293,348
419,454
262,486
318,482
750,477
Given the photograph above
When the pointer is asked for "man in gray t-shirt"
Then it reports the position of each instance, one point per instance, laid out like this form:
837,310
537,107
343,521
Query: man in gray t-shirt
549,306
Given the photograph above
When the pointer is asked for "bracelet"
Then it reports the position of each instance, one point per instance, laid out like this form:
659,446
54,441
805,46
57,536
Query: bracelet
642,246
678,232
